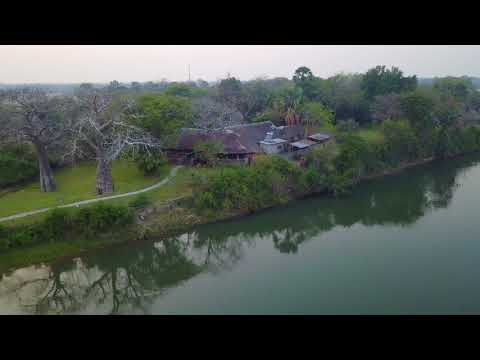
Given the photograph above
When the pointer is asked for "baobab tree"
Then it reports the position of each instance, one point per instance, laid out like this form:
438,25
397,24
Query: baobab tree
104,126
33,116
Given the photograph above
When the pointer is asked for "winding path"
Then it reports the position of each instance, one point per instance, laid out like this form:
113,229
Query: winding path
172,174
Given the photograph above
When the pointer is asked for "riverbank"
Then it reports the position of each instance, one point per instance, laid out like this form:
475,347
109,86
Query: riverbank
153,222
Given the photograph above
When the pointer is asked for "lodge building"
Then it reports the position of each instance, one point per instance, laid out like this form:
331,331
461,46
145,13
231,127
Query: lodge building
242,142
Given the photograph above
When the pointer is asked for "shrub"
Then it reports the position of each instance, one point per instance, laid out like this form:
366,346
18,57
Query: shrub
353,150
17,164
347,125
470,139
59,222
3,242
21,236
55,225
310,180
140,202
322,159
151,163
207,152
400,142
102,216
268,181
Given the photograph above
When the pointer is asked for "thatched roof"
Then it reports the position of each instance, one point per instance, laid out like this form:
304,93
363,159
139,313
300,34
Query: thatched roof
251,134
230,141
294,132
238,139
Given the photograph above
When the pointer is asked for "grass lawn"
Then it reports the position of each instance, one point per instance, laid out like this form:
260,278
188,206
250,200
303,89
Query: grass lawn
371,134
75,184
177,187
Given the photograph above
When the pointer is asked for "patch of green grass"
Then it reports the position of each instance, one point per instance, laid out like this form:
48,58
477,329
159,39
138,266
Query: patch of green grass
76,184
177,187
373,135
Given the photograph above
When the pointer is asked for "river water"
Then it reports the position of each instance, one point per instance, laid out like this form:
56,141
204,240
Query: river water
404,244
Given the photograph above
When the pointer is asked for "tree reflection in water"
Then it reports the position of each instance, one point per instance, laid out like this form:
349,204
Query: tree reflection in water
127,279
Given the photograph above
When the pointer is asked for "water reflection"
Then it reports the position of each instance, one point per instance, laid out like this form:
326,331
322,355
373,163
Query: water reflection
127,279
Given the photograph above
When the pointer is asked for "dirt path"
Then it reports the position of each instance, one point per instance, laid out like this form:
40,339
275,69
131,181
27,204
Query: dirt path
172,174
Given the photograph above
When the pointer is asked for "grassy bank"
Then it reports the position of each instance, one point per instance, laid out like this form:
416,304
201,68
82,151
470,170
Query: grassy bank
76,243
75,184
228,192
158,224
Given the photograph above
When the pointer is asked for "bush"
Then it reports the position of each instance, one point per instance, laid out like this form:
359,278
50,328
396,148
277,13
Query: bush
17,163
151,163
3,243
267,182
102,216
470,139
322,159
400,142
140,202
353,151
347,125
59,222
207,152
56,225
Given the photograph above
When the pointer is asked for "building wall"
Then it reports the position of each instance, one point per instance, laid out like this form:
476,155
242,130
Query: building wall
273,148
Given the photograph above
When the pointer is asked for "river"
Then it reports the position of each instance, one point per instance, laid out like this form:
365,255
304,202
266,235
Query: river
403,244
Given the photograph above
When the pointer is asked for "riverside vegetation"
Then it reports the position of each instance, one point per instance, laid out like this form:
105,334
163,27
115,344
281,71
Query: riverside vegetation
381,122
227,191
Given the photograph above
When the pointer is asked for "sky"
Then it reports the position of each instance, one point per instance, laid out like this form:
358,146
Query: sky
126,63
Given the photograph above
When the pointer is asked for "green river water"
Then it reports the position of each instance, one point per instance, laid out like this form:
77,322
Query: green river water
403,244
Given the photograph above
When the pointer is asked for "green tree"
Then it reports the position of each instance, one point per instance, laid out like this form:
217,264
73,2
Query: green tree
400,141
229,90
418,108
284,104
163,114
316,114
253,99
347,99
302,74
381,81
151,163
352,156
179,89
473,101
448,115
304,80
458,88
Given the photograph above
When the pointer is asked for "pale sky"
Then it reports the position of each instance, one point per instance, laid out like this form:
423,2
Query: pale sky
126,63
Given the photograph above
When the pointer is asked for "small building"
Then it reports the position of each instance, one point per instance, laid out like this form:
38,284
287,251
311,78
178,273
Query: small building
301,147
240,143
320,138
290,133
271,145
